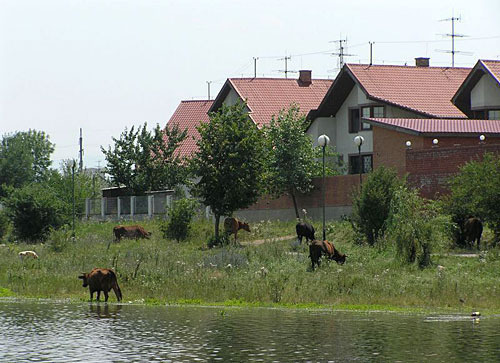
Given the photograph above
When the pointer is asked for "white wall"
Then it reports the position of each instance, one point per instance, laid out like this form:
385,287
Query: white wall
320,126
485,94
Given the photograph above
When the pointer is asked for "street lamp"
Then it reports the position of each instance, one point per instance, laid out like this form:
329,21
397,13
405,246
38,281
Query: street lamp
359,140
323,141
482,138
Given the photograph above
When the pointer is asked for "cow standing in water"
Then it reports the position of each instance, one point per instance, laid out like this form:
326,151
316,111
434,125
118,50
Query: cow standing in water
473,229
232,226
101,279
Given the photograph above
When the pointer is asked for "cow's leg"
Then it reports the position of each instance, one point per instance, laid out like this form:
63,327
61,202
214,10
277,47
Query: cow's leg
312,263
91,295
106,296
478,241
300,239
98,295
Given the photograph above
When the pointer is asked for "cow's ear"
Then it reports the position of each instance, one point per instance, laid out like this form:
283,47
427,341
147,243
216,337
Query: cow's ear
82,276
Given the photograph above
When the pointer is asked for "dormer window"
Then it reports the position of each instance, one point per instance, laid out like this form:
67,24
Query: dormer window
493,114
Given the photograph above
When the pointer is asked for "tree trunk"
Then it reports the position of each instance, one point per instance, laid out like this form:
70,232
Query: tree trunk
295,204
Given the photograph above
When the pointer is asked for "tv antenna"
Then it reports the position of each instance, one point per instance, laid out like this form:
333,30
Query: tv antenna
341,54
453,35
208,84
286,71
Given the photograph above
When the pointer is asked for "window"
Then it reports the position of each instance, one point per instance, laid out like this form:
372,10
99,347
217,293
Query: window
371,111
353,120
493,114
366,164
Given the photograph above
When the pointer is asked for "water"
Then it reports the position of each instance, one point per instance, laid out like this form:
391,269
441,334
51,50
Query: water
89,332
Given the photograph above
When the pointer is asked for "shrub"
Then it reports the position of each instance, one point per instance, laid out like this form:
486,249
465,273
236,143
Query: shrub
179,224
371,205
414,226
34,209
4,224
475,190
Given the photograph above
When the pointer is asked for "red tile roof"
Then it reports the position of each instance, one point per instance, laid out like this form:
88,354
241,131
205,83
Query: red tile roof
267,96
439,126
188,115
426,90
493,66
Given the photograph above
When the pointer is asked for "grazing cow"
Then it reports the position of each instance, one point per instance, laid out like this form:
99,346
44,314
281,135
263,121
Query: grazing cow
473,228
135,231
319,248
24,254
101,279
232,226
305,230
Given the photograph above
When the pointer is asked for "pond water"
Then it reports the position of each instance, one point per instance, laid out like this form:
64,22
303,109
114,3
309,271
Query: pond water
33,331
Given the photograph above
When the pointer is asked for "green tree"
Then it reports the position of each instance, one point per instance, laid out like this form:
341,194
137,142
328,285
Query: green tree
372,204
292,159
35,209
24,158
143,160
229,162
475,190
414,225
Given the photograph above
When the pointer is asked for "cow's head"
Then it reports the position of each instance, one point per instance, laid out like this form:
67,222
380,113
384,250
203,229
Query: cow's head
84,276
148,234
245,226
339,257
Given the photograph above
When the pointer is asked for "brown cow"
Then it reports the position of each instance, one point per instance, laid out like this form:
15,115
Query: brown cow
232,226
135,231
473,228
319,248
101,279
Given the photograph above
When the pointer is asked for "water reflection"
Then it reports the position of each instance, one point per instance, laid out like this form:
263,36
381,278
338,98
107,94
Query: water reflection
97,332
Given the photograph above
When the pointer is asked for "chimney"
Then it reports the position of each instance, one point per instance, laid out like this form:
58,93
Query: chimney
422,62
304,78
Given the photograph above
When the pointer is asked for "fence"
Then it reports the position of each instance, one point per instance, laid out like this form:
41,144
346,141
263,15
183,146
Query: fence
132,207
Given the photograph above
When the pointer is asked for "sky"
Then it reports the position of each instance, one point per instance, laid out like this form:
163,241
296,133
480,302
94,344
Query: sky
107,65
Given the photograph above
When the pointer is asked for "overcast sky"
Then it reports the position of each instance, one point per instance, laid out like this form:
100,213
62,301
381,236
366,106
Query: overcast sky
104,65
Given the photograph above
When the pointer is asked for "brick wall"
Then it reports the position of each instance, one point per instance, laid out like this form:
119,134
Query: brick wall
429,169
338,193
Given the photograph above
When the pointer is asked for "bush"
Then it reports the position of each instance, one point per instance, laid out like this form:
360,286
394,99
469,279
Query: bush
34,210
475,190
179,223
371,205
414,226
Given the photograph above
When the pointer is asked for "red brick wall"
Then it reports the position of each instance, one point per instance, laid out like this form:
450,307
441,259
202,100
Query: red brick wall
338,193
429,169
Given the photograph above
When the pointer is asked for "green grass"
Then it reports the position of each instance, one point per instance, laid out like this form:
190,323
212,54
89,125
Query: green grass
275,274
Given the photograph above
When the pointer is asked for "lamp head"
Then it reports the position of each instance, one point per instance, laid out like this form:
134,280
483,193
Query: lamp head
435,141
359,140
323,140
482,137
408,143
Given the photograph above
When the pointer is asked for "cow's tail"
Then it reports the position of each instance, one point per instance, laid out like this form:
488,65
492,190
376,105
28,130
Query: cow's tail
115,286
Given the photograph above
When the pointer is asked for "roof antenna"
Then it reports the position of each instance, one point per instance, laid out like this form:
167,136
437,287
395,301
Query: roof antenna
286,71
341,53
255,59
453,35
371,52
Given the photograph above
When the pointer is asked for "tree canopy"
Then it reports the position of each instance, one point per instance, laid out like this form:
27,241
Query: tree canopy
229,163
24,158
142,160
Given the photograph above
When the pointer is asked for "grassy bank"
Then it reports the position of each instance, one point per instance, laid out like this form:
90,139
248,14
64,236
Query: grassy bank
274,273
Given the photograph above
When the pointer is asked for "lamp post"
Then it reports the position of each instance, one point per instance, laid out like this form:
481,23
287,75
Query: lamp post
323,141
359,140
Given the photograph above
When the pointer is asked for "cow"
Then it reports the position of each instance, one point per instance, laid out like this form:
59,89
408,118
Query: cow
24,254
101,279
473,228
319,248
134,231
306,230
232,226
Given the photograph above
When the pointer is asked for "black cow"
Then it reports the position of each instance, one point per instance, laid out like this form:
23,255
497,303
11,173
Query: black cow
473,228
305,230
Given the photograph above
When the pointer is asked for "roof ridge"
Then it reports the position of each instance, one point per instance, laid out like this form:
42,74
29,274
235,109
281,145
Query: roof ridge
403,66
277,79
185,101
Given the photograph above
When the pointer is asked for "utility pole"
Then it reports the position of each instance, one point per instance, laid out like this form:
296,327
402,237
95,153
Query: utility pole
81,150
255,66
208,84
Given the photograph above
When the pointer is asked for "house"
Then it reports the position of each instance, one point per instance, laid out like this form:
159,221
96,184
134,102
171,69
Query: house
266,97
361,92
